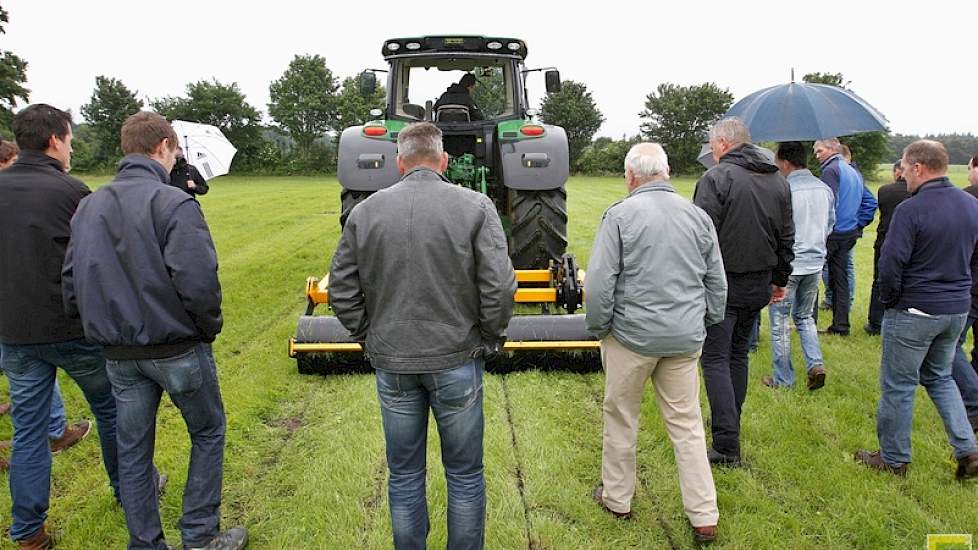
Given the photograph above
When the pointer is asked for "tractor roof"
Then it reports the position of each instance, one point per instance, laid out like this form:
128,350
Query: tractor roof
454,44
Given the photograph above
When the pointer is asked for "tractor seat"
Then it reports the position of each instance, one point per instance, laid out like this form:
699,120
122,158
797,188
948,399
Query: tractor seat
452,113
412,110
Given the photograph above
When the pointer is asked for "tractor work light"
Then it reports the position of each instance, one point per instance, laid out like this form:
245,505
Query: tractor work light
413,46
513,46
494,45
376,131
393,46
532,130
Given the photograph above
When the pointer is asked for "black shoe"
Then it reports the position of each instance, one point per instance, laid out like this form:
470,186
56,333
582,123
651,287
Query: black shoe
825,306
871,330
235,538
836,332
719,459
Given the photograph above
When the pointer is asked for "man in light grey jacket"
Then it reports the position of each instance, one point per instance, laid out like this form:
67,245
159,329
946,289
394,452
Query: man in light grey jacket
655,282
422,278
813,212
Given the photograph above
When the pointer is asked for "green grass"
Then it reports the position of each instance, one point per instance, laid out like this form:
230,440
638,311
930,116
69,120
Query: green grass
305,456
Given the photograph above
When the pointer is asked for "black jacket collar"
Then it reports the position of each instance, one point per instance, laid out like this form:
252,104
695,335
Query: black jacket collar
37,158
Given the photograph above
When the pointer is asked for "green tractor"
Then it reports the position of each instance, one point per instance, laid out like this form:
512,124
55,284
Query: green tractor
500,151
521,164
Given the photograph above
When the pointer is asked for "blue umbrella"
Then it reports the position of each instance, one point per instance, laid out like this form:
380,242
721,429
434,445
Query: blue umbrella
805,112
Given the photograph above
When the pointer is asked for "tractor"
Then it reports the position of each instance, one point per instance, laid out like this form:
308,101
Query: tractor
498,149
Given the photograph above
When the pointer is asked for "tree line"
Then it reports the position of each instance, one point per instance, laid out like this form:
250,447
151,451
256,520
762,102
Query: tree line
309,106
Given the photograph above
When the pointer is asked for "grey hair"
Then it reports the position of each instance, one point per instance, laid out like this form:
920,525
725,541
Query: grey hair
730,129
420,141
832,144
645,160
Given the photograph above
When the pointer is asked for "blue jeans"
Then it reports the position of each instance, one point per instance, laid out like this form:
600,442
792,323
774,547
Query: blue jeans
57,422
851,269
799,302
964,374
919,349
31,370
190,378
455,398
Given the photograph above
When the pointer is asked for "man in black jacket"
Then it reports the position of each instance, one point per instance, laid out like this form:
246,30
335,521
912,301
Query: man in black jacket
461,94
750,204
889,196
142,271
37,200
186,177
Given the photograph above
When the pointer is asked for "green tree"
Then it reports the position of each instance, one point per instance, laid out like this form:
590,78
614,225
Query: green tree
490,93
224,106
352,108
574,109
112,102
13,75
678,117
606,156
868,149
304,101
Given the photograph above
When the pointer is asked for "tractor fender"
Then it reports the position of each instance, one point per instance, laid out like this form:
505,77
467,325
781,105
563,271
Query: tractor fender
536,164
365,163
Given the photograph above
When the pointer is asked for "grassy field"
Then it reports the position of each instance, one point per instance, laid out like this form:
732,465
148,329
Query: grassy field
305,459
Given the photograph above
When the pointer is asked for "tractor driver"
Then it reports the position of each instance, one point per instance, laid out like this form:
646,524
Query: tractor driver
461,94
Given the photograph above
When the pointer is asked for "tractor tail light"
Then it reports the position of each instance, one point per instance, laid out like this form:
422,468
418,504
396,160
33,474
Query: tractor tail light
375,131
532,130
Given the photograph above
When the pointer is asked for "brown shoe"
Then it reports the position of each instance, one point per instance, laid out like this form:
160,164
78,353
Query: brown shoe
768,381
875,460
598,495
967,466
705,534
816,378
40,540
73,434
4,408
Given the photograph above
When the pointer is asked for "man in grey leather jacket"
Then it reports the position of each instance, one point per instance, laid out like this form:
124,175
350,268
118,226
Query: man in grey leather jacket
423,278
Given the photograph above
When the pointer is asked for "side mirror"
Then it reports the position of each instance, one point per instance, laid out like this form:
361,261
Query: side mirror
368,83
552,78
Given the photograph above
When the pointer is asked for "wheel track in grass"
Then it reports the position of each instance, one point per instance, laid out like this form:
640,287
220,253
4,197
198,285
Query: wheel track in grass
520,481
371,504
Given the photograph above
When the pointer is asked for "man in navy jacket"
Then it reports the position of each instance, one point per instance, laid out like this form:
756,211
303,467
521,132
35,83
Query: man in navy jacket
925,271
142,272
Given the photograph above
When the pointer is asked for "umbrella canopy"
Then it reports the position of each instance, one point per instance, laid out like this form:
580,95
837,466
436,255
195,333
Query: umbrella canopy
805,112
706,155
205,147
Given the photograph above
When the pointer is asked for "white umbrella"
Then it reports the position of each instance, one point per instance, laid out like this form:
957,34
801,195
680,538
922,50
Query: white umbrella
205,147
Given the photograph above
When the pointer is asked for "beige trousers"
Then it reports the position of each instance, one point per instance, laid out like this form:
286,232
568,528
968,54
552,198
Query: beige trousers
677,388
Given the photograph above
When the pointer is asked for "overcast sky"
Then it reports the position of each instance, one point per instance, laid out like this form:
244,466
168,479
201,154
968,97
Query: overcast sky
915,62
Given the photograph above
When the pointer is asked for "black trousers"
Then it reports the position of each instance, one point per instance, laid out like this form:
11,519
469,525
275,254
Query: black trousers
725,357
876,307
838,260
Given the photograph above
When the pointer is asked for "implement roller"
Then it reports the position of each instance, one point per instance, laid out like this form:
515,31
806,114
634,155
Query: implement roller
545,341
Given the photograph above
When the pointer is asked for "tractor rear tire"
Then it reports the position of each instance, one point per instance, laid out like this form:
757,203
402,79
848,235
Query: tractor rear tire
538,229
349,199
